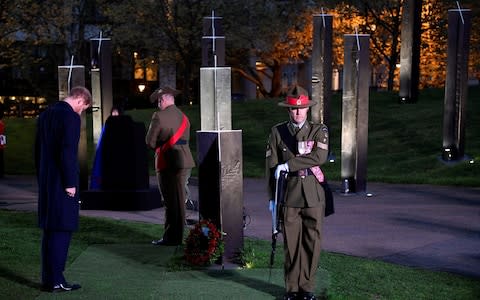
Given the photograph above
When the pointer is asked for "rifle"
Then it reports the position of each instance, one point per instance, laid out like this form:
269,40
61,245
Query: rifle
277,214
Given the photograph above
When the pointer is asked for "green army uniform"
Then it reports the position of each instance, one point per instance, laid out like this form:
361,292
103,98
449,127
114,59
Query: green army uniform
179,162
304,200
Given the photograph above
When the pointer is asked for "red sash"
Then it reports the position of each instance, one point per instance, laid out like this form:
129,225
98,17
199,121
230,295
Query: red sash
160,151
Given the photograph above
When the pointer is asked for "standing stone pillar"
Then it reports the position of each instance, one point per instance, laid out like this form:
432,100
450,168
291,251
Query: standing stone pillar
219,149
410,51
215,78
220,190
355,113
97,120
215,98
322,68
456,84
101,70
69,77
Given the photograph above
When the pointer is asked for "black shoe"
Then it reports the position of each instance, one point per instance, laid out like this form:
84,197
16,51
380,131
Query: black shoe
164,242
290,296
65,287
307,296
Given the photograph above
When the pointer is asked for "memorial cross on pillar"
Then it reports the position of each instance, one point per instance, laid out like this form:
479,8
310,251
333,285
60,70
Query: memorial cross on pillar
456,84
69,77
215,78
101,77
213,42
219,148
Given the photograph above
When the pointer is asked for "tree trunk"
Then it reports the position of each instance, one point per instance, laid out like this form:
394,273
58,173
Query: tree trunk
392,64
276,79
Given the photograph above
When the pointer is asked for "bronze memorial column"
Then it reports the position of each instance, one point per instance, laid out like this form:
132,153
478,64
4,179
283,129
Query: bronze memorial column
410,51
456,84
355,113
101,70
219,148
322,68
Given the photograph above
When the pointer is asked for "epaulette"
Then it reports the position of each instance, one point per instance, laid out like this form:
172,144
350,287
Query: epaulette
281,123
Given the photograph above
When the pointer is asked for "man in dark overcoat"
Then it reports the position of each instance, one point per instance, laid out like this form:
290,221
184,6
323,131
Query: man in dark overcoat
299,147
56,160
169,135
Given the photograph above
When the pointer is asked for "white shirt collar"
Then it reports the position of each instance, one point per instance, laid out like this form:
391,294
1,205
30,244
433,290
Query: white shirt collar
295,125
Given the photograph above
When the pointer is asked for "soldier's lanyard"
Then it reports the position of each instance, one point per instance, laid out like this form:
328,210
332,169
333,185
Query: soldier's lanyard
160,151
289,140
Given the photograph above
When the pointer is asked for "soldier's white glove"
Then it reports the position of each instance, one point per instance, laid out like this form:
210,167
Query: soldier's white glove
281,167
271,205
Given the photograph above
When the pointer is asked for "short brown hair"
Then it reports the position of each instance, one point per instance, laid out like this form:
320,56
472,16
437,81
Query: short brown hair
81,92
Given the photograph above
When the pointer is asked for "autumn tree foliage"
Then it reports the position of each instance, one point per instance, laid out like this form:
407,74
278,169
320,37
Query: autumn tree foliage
433,58
382,21
274,33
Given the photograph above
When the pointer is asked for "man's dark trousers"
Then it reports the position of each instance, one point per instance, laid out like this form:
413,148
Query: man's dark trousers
54,256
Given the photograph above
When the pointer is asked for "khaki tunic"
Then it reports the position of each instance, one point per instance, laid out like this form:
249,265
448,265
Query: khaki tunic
172,180
163,125
304,202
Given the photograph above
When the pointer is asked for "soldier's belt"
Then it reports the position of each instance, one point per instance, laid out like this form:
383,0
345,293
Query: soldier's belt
301,173
179,142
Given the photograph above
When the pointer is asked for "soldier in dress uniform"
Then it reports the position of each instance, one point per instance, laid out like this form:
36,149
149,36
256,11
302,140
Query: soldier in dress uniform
299,147
169,134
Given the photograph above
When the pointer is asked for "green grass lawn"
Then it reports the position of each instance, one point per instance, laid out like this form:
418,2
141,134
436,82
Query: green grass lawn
405,140
349,277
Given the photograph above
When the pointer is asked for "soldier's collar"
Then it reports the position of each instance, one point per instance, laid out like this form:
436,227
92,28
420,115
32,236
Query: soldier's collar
294,125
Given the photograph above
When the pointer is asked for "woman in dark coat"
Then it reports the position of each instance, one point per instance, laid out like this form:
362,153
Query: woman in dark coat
56,149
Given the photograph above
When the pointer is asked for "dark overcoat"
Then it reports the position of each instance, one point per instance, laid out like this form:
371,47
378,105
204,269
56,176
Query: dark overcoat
56,160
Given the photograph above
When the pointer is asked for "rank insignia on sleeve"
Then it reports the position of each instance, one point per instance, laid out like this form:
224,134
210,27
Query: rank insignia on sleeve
325,130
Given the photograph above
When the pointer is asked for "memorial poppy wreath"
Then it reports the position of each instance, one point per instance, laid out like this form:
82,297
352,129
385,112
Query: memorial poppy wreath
203,244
